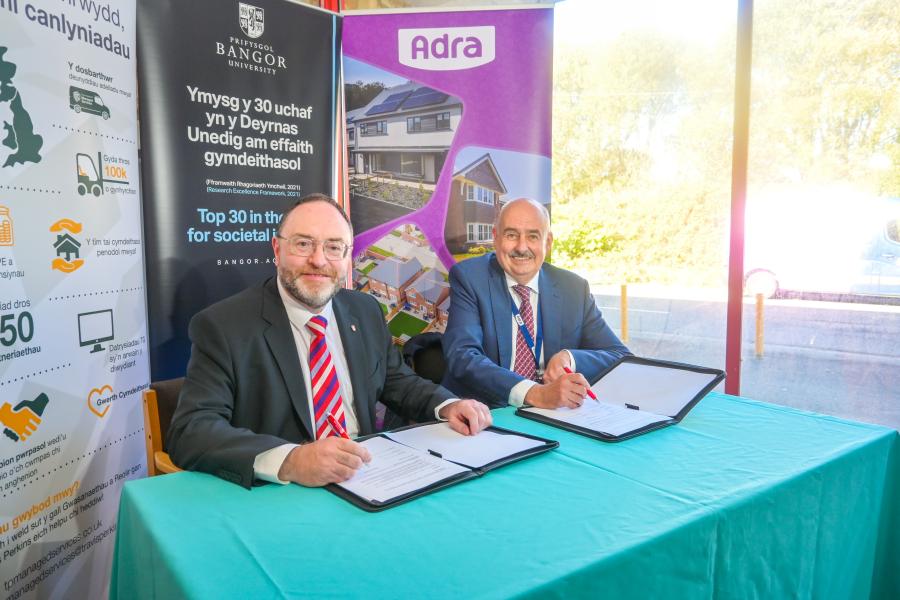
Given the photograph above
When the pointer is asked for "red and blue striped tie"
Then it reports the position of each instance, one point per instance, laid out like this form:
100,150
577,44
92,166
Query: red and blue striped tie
325,387
524,354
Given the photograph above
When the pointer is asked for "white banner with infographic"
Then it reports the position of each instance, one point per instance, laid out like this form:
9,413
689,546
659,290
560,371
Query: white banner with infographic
73,349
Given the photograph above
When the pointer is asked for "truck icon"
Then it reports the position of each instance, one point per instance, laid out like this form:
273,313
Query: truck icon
89,178
87,101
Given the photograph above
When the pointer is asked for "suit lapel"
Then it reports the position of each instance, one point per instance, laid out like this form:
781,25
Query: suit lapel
551,315
500,307
280,339
354,351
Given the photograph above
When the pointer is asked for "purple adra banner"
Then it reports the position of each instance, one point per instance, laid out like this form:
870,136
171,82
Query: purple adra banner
448,118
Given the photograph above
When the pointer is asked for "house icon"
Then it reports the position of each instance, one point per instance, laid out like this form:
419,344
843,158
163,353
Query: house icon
66,244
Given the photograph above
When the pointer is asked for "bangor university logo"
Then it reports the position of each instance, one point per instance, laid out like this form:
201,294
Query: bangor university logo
21,421
252,20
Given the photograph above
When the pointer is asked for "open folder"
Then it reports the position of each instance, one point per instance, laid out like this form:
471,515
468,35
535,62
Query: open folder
634,396
414,461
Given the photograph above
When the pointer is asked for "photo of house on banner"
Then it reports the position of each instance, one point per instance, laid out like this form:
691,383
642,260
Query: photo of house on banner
403,273
398,135
484,179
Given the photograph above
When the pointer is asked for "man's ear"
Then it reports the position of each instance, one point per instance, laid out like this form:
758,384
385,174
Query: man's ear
549,242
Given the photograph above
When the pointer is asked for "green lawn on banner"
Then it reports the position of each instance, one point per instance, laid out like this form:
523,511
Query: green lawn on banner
406,323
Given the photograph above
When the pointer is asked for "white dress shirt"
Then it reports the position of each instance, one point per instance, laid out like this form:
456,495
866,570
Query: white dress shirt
267,464
518,391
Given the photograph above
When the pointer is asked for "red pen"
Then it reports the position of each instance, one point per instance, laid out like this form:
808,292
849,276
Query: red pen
590,392
336,426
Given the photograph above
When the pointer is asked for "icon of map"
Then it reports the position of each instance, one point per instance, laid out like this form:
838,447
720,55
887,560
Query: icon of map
18,131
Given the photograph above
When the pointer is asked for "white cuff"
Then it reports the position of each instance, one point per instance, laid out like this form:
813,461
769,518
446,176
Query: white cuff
518,391
574,367
267,464
438,408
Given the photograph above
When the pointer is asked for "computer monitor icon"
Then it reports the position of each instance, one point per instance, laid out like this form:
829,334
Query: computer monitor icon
94,328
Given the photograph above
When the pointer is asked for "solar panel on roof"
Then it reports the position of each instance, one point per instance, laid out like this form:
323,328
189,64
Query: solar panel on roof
398,96
422,90
384,107
390,104
425,96
427,100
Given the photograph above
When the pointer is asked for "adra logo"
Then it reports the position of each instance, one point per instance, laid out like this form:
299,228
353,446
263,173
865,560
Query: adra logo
446,48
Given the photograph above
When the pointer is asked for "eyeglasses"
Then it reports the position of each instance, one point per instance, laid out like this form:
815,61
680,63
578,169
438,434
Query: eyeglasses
300,245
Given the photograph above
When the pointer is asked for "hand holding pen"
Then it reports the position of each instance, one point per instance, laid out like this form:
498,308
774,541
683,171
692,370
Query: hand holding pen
590,392
336,426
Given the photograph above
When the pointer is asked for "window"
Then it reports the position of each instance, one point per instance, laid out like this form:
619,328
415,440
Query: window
476,193
400,163
479,232
411,164
351,133
437,122
374,128
387,161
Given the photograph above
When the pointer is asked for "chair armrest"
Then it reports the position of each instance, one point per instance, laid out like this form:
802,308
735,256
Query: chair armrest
163,463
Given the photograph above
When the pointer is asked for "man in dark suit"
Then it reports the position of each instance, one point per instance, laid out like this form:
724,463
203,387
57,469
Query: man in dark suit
521,331
283,374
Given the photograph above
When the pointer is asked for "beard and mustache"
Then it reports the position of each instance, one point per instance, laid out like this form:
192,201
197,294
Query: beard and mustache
312,298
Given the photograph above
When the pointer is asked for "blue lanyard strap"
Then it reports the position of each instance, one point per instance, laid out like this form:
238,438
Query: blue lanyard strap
535,347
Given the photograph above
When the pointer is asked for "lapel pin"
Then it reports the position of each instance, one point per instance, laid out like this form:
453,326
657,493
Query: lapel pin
353,327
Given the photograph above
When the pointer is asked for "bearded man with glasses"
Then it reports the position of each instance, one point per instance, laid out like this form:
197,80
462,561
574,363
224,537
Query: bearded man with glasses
284,374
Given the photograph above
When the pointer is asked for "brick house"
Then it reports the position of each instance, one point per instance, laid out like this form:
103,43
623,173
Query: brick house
475,200
392,276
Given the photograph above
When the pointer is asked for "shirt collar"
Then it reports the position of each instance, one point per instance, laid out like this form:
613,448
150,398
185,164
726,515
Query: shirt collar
298,314
531,284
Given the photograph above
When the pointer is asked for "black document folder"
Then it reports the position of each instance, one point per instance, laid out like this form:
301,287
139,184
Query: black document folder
424,458
635,395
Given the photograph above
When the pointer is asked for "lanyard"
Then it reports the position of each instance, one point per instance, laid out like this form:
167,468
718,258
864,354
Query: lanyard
534,346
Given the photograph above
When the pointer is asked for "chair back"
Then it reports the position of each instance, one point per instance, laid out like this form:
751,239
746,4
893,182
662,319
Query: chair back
160,400
425,354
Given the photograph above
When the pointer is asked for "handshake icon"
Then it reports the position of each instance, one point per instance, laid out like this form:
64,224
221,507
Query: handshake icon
22,420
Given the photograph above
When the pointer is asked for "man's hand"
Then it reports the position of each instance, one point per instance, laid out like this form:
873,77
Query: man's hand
556,368
568,391
467,417
329,460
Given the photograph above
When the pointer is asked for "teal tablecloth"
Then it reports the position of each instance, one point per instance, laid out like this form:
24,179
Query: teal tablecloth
741,500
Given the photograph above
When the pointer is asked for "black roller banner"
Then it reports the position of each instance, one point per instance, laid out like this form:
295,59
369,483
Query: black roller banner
238,105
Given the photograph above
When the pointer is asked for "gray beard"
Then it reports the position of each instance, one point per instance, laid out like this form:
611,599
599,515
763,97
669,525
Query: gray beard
313,301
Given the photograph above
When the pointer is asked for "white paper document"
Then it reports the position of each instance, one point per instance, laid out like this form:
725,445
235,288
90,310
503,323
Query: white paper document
471,450
396,470
601,417
656,388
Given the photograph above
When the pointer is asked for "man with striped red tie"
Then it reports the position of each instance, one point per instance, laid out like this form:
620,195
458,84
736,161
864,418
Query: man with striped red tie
284,374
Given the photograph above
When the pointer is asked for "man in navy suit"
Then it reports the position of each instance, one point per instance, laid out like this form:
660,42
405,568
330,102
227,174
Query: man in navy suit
521,331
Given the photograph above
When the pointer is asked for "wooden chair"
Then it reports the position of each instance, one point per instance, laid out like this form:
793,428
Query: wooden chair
160,400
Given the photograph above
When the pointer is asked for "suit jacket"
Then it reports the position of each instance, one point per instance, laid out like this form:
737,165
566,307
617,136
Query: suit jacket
244,393
478,341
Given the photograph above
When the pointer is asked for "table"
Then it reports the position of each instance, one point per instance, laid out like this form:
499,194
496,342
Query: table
741,500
